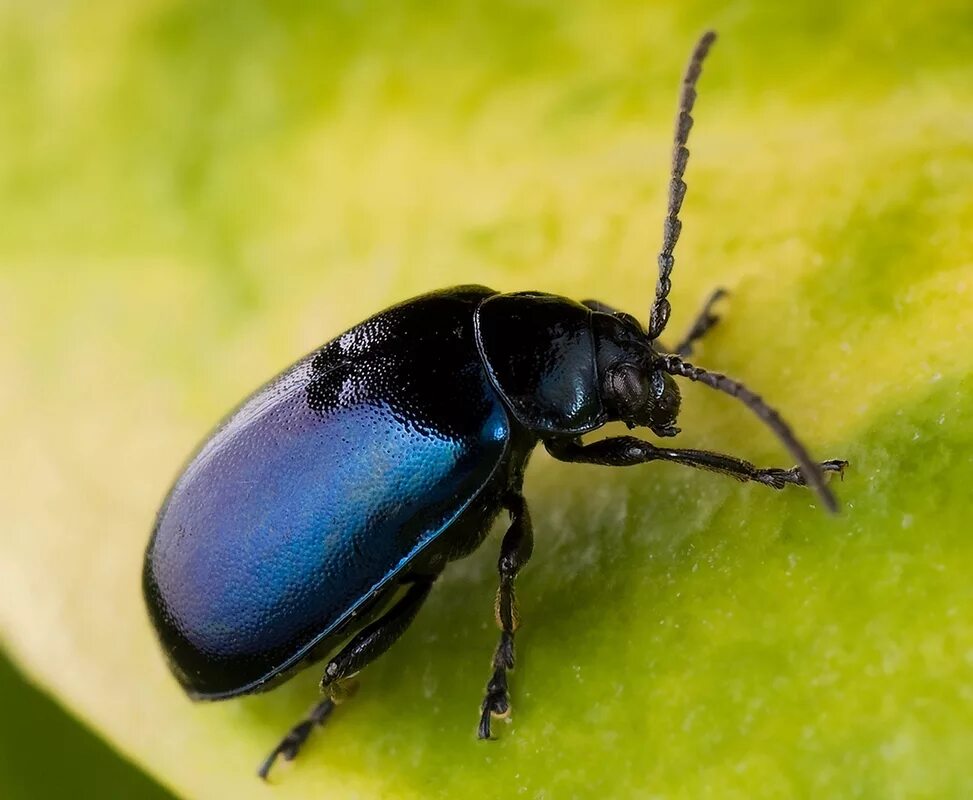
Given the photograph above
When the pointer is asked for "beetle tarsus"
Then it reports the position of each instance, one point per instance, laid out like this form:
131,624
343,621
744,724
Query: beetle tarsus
515,551
779,478
291,744
497,701
368,645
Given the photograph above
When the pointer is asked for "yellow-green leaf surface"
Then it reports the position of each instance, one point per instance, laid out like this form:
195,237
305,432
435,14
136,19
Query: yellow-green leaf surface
193,194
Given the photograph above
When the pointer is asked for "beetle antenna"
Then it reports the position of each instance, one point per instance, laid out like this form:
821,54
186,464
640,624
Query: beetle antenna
809,469
671,226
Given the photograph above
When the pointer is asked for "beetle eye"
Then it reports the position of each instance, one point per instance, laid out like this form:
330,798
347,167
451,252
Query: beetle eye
629,385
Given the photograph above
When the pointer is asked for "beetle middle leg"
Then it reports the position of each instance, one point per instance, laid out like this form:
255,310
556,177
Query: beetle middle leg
366,646
518,544
625,451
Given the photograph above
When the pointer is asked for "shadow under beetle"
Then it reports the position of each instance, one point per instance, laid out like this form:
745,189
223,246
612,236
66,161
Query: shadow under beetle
321,511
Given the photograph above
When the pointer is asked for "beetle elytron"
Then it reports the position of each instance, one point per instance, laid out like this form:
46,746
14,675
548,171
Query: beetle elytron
317,516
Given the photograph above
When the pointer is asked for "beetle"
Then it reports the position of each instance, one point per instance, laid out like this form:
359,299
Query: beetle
314,520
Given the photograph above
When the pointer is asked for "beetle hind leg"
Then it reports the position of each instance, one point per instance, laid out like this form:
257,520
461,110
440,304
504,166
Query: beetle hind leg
364,647
518,543
374,639
291,744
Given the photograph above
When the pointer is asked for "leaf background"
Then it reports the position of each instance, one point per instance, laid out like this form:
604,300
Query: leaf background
194,194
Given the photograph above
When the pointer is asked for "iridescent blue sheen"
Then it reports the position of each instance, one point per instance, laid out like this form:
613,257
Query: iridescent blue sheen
319,490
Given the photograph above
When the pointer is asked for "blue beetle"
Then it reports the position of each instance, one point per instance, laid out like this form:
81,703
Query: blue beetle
314,520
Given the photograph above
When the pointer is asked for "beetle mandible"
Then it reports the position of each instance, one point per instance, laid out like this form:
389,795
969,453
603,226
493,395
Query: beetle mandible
314,520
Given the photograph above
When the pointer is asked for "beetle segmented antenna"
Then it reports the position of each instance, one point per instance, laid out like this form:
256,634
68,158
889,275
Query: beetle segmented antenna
809,469
671,226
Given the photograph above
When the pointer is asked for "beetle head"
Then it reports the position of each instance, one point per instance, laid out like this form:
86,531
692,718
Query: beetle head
634,387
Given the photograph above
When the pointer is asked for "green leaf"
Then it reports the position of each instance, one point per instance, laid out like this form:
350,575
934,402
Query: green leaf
195,194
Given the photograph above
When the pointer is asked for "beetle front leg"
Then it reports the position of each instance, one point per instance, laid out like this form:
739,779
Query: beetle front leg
625,451
366,646
518,544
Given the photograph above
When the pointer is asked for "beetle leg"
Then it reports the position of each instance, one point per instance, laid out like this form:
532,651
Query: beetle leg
518,543
375,639
366,646
704,321
625,451
291,744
